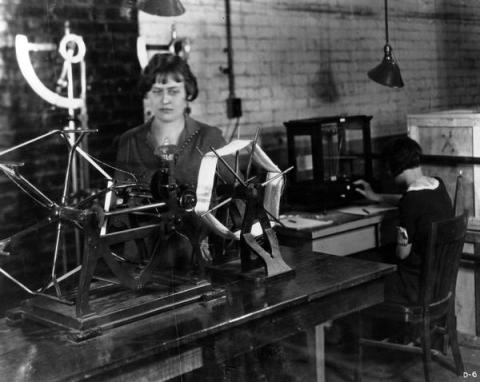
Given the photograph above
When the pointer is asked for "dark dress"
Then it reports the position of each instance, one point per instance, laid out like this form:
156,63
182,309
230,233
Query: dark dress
417,210
136,152
136,155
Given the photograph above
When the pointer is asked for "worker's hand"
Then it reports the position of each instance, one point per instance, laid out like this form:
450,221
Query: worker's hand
205,250
365,189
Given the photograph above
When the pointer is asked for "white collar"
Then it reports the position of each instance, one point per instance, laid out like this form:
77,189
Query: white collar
424,183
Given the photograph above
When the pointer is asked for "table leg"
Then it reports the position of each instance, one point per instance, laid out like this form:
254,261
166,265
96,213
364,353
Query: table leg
316,351
476,272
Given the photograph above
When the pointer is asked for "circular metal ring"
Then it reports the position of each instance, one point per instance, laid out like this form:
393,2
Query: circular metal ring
78,40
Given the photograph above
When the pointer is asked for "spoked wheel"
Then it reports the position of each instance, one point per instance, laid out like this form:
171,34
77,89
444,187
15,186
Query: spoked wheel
260,196
231,216
144,226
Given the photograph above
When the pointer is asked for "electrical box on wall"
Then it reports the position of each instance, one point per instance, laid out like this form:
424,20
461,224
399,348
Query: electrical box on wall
234,107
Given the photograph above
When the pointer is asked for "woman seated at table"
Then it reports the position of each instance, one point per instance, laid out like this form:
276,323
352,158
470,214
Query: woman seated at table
168,85
423,200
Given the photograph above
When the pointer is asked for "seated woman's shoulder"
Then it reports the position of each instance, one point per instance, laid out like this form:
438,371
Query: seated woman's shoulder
432,182
209,129
424,183
133,132
211,135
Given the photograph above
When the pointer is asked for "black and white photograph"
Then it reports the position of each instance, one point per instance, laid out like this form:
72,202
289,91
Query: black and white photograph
239,190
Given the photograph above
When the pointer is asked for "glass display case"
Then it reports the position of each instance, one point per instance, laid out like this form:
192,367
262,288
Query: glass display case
328,154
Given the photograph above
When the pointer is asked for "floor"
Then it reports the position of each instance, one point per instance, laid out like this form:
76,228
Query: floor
287,363
396,367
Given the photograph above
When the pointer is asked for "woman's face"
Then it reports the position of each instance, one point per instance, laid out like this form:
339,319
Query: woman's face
167,99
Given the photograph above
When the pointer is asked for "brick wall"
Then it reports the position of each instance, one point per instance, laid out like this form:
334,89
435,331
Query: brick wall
300,59
109,32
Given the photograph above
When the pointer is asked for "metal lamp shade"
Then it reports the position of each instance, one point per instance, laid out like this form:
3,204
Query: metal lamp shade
161,7
387,72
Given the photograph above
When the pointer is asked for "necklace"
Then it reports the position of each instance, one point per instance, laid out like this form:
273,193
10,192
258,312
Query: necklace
177,152
185,144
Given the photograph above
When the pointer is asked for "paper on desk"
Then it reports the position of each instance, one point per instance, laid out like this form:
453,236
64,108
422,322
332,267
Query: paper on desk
298,223
473,223
369,209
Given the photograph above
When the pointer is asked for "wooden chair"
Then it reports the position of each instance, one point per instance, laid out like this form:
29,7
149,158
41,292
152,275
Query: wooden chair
459,197
435,310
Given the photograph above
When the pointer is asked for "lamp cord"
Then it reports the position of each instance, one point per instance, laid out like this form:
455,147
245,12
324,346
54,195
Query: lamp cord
386,21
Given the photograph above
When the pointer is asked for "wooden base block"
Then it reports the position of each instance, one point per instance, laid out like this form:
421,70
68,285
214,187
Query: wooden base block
112,306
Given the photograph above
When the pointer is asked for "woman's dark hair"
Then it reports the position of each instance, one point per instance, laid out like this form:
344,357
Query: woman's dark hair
165,65
402,154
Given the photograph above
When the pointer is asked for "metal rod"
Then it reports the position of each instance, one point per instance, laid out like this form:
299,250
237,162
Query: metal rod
69,168
129,234
228,200
55,255
7,275
70,172
386,21
30,141
277,176
254,144
106,206
231,76
63,277
135,209
29,186
237,164
274,217
228,167
85,170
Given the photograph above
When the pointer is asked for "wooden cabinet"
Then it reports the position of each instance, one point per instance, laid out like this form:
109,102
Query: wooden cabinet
327,154
451,144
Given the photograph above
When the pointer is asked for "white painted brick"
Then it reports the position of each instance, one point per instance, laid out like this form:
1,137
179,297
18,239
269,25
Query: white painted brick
279,53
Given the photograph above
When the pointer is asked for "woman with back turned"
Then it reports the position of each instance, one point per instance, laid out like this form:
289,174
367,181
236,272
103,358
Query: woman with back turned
423,201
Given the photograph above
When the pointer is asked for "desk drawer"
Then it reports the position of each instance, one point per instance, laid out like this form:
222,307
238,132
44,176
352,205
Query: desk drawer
347,243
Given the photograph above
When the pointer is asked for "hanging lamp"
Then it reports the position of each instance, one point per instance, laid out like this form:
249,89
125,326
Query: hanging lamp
387,72
161,7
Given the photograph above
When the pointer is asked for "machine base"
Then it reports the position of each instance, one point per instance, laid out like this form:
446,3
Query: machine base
113,306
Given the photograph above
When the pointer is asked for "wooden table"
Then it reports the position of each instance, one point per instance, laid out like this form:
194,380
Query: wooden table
348,233
324,287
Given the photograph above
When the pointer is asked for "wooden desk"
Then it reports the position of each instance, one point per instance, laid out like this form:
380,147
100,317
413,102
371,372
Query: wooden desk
348,234
324,287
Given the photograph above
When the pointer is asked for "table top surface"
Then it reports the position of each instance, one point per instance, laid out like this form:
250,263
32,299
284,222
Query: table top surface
339,220
33,352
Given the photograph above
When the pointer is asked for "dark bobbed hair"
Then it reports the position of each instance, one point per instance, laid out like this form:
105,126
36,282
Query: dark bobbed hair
165,65
402,154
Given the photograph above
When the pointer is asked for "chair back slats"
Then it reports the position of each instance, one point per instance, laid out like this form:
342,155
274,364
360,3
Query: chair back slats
444,248
459,196
434,312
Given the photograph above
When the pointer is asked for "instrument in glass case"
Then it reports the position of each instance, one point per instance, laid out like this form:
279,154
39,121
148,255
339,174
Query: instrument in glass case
327,154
